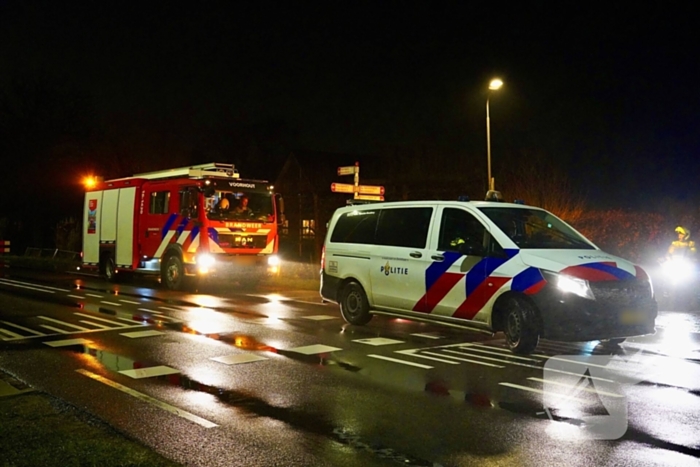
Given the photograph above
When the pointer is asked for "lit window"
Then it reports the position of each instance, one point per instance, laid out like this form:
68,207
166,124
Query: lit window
308,228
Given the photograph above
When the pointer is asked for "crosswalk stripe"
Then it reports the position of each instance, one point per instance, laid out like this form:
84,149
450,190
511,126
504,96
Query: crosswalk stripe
63,323
101,326
539,391
10,333
403,362
100,319
594,391
36,333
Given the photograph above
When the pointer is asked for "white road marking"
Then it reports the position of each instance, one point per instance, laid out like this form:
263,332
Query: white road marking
36,333
63,323
594,391
148,310
428,335
417,355
9,333
26,287
403,362
100,319
130,302
101,326
539,391
314,349
51,328
36,285
150,372
76,296
319,317
524,365
137,334
376,341
151,400
66,342
131,320
169,309
110,303
239,358
516,357
94,295
461,359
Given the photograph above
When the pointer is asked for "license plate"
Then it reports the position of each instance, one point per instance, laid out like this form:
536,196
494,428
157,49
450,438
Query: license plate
632,317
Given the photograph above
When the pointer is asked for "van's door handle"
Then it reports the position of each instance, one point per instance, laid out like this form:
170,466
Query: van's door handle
438,257
415,254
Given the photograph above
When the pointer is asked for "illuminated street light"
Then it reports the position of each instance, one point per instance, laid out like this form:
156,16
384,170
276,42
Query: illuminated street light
494,85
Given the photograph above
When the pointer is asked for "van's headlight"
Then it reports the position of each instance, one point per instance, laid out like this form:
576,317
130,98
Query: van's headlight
273,260
574,285
204,262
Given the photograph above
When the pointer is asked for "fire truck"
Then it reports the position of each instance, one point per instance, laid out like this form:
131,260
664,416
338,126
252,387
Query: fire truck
182,223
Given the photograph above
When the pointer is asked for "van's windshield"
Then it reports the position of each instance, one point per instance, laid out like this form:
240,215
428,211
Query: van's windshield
536,229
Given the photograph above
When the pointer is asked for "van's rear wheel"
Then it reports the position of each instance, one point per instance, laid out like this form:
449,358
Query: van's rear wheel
172,273
354,305
520,326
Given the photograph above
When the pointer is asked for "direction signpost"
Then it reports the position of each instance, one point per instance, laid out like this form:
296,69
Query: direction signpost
362,192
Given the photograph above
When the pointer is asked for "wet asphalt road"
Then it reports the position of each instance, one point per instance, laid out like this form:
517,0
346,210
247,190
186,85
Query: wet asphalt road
257,378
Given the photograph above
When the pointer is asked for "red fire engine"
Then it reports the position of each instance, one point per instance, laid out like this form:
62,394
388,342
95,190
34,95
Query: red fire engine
188,221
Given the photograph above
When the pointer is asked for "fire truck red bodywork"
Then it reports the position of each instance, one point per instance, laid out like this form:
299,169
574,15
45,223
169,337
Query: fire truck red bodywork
168,223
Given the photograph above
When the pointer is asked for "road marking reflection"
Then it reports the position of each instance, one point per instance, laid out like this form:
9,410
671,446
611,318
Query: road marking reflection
151,400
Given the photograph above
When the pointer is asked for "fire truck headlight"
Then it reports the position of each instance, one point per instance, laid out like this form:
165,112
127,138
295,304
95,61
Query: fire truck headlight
273,260
204,262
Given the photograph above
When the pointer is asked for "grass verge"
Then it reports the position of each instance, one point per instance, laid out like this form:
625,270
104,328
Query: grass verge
38,430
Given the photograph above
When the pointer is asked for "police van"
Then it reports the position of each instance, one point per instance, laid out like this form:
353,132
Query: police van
487,265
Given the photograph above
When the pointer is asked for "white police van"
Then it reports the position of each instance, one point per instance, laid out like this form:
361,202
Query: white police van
489,265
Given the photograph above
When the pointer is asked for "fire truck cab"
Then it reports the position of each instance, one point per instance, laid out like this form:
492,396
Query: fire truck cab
202,220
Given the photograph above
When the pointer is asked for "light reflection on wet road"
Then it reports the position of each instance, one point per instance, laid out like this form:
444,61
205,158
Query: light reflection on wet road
393,392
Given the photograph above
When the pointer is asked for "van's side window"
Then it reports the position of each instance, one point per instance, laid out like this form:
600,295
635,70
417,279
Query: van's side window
407,227
355,227
459,230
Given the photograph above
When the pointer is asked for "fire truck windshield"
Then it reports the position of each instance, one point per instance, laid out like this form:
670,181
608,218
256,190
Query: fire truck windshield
237,205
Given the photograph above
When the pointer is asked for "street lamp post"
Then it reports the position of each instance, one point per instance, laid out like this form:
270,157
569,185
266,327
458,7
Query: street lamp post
494,85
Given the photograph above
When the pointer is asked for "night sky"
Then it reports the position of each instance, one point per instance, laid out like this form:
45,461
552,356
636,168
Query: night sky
608,91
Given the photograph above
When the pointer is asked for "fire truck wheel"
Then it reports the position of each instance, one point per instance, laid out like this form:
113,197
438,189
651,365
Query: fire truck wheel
521,326
354,305
172,273
108,268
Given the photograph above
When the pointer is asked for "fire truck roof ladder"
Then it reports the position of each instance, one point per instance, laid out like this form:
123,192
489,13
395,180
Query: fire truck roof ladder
212,169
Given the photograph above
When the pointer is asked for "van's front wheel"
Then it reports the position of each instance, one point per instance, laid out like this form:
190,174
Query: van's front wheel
520,327
354,305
